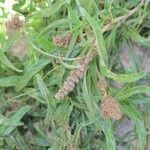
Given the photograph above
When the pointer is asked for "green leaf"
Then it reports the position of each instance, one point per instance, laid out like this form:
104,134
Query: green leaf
9,42
63,113
57,23
73,16
140,100
47,12
5,131
140,128
108,131
135,36
130,111
40,41
48,98
88,101
69,66
77,131
72,43
134,114
31,71
132,91
9,81
121,77
133,56
20,113
21,143
41,141
103,53
5,61
111,39
11,142
43,89
2,33
8,125
35,94
98,33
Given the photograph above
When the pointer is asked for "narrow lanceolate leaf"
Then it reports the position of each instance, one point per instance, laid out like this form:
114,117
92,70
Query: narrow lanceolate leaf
2,33
73,16
35,94
9,124
11,142
103,53
21,143
31,71
88,100
47,96
140,100
134,114
42,141
135,36
40,41
43,89
132,91
130,111
47,12
9,81
72,43
77,131
62,22
121,77
141,131
98,33
20,113
6,61
110,41
9,42
69,66
108,131
64,112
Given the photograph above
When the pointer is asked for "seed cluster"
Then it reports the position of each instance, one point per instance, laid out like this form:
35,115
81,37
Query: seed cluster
62,40
13,24
19,47
109,107
75,75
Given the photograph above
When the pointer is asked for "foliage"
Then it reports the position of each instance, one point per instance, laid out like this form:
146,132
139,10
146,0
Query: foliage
31,117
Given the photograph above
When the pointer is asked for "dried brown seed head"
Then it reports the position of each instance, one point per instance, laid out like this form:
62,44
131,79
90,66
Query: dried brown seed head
13,24
74,76
62,41
110,108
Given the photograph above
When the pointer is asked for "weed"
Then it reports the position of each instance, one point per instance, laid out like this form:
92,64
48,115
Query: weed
74,50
